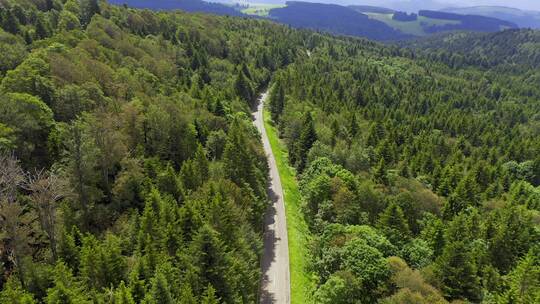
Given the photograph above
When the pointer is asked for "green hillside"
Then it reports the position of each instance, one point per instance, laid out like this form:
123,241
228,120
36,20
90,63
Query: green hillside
410,27
260,9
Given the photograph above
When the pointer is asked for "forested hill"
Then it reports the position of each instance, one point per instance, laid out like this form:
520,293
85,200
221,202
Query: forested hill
335,19
130,171
466,22
420,182
185,5
129,167
518,49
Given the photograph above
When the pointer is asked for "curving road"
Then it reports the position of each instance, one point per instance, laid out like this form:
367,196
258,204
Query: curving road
275,285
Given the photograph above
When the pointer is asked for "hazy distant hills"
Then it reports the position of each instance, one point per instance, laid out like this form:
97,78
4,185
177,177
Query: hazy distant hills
335,19
373,22
527,19
185,5
381,23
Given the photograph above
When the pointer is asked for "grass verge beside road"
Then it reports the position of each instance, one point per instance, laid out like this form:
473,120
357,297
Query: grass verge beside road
297,229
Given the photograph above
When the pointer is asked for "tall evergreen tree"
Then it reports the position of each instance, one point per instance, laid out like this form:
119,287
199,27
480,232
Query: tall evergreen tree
308,137
81,169
160,292
457,271
212,261
243,88
88,9
277,100
394,225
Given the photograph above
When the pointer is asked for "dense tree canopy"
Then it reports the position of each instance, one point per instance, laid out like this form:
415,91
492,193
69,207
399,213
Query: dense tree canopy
130,171
439,159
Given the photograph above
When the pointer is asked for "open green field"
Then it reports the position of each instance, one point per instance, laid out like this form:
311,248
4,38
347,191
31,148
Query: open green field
260,9
297,229
410,27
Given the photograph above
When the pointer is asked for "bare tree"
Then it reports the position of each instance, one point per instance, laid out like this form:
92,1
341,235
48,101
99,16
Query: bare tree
46,189
15,233
11,177
15,222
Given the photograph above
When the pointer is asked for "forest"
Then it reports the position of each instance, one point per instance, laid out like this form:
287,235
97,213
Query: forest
336,19
130,171
419,179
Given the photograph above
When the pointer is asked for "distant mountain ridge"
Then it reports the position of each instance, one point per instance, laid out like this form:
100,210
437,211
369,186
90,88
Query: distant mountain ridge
335,19
185,5
467,22
522,18
372,9
372,22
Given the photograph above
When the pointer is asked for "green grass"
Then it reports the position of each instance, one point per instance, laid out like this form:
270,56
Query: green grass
297,229
410,27
260,9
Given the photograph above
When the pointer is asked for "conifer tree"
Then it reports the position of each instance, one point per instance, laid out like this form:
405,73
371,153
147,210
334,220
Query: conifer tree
81,169
238,161
123,295
212,261
465,195
41,29
394,224
209,296
243,88
160,292
186,295
353,128
10,22
201,164
66,289
308,137
88,9
13,293
380,174
457,271
277,100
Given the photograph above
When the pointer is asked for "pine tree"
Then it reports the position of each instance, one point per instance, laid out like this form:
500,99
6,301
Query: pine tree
376,133
457,271
209,296
13,293
160,292
380,174
394,224
353,128
211,258
237,157
88,9
66,290
41,29
81,169
123,295
308,137
68,249
277,100
169,183
243,88
186,295
10,22
465,195
201,165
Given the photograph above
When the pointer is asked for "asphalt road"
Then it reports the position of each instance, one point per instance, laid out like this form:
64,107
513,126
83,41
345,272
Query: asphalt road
275,285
